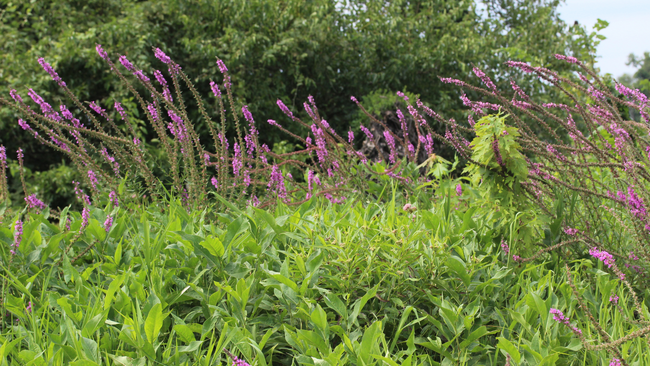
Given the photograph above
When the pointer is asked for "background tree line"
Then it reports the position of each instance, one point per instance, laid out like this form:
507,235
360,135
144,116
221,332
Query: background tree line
290,49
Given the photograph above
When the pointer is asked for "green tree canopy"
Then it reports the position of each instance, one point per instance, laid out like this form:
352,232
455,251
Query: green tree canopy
288,49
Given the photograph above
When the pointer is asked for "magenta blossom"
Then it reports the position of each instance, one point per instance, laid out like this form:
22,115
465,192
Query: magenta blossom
459,190
108,223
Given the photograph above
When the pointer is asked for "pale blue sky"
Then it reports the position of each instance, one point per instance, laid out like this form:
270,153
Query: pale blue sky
628,31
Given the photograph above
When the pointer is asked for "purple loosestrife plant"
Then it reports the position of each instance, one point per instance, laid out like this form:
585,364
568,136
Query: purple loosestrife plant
18,237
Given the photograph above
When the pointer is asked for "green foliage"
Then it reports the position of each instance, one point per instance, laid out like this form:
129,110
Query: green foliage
322,284
498,165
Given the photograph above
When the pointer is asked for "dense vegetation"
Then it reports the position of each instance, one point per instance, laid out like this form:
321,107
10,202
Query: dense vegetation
274,50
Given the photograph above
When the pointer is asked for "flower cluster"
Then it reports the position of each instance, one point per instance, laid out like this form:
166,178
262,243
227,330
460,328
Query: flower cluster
559,317
18,236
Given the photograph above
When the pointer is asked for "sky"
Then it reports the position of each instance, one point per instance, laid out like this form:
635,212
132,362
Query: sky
628,30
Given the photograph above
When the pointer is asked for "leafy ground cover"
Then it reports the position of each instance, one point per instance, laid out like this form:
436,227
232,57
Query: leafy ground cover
366,283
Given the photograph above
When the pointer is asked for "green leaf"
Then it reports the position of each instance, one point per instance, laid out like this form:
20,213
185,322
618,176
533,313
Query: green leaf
153,323
185,333
458,266
509,348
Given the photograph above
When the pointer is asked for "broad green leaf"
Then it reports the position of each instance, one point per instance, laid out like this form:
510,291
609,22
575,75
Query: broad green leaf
509,348
153,323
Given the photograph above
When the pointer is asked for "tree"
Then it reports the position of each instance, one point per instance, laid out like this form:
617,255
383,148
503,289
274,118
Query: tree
278,49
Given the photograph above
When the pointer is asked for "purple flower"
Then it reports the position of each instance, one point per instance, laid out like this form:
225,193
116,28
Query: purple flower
452,81
250,145
215,89
23,125
488,82
101,52
284,109
93,179
14,94
222,66
34,202
141,76
29,307
126,63
273,123
108,223
603,256
613,299
391,145
366,131
214,182
570,231
350,136
321,152
400,94
354,99
276,182
162,56
516,258
51,71
3,155
85,215
113,198
497,154
249,117
80,194
18,236
615,362
178,130
238,362
95,107
569,59
459,190
559,317
237,163
505,247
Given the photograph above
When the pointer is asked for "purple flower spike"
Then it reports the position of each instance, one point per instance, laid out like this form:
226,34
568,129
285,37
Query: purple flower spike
162,56
51,71
113,198
350,136
400,94
459,190
615,362
284,109
613,299
505,247
215,89
23,125
93,179
488,82
354,99
108,223
126,63
603,256
34,202
14,94
222,67
101,52
85,215
391,145
273,123
214,182
569,59
452,81
18,236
